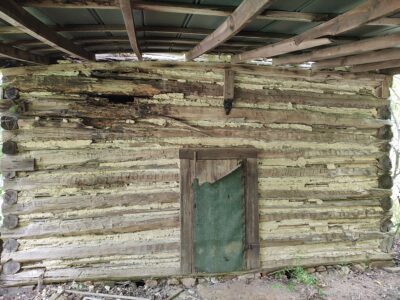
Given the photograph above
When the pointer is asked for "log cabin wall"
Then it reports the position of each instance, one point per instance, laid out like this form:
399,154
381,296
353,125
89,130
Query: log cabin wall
96,173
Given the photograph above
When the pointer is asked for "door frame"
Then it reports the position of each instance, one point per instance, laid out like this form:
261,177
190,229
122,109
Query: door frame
188,158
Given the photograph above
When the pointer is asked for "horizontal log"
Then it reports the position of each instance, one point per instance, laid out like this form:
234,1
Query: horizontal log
70,203
99,225
360,213
316,171
85,251
10,163
91,178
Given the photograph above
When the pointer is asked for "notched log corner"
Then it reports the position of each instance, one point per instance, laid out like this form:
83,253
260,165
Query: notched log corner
385,133
383,112
11,93
9,122
10,245
11,267
10,197
10,221
10,148
385,181
384,163
386,203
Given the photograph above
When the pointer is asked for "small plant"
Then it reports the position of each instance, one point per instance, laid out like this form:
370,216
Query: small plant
301,276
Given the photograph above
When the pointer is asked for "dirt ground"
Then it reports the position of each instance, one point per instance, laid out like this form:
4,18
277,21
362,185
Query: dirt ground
351,282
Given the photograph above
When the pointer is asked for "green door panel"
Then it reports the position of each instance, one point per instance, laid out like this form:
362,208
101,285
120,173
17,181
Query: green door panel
219,224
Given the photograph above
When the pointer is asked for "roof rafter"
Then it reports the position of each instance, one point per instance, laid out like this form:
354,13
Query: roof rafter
389,64
246,11
127,14
195,9
14,53
362,14
16,16
371,44
359,59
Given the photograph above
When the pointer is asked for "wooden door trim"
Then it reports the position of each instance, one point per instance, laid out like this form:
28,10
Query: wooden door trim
187,160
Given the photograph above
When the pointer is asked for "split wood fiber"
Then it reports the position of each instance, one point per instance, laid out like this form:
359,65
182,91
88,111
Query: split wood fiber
102,200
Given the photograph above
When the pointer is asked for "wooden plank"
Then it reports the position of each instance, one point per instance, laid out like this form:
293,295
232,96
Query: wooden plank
10,163
246,11
187,253
369,11
388,64
362,46
129,21
252,215
16,16
278,49
14,53
217,153
365,58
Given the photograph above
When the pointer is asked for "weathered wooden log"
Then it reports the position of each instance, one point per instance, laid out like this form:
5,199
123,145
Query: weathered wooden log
384,112
385,181
10,221
10,197
11,93
9,174
10,163
10,245
100,225
9,122
385,132
386,224
384,163
11,267
386,203
10,148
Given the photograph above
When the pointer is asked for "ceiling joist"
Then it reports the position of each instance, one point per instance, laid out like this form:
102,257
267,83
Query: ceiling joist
245,12
362,14
18,17
194,9
14,53
371,44
389,64
359,59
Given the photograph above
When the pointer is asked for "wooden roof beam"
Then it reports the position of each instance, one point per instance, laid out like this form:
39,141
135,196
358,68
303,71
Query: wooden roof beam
371,44
194,9
359,59
14,53
127,14
16,16
246,11
389,64
371,10
362,14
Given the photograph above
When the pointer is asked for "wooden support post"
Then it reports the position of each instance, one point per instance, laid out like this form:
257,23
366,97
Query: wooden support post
229,89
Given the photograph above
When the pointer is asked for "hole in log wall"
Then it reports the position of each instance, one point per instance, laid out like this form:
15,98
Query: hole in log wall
118,99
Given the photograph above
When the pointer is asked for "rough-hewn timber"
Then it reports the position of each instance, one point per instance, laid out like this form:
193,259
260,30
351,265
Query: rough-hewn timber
102,200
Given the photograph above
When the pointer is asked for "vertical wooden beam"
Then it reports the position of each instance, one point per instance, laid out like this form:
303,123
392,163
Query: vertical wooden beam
187,243
229,89
18,17
246,11
126,9
252,215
